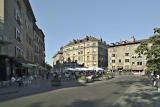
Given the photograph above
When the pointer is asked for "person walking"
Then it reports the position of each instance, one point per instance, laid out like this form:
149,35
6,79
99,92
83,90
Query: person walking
158,82
154,80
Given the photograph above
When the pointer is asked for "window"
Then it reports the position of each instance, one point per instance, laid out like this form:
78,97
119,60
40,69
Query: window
73,58
127,48
94,44
18,17
120,61
139,56
87,51
133,56
16,14
18,35
113,67
113,49
126,66
67,49
113,61
133,63
126,60
126,54
113,55
94,50
0,49
80,58
139,63
87,58
18,51
94,57
94,64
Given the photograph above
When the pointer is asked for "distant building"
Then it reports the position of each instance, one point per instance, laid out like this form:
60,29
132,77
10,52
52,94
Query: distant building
18,45
122,56
90,52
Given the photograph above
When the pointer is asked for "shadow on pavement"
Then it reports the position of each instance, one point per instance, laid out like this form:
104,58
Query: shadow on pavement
33,90
37,104
141,94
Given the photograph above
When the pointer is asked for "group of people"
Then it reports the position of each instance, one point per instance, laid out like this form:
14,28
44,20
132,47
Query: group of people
74,75
22,81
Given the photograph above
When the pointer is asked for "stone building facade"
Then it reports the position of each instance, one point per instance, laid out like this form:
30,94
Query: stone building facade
39,47
17,29
122,56
90,52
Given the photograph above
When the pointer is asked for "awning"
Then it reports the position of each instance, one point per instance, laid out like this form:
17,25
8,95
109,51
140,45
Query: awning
4,42
42,68
96,69
28,65
69,69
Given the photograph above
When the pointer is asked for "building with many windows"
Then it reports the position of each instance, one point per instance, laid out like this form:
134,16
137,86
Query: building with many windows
39,47
20,38
90,52
122,56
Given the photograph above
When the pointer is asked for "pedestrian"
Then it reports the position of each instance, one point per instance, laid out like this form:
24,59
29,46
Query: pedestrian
154,80
13,80
47,77
30,79
158,82
19,81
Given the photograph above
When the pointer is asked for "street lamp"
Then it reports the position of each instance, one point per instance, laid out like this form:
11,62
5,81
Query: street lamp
61,63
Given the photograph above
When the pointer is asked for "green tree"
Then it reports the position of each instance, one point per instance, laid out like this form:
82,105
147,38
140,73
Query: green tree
151,48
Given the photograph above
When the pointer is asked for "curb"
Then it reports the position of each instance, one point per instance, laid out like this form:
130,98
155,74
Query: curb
9,92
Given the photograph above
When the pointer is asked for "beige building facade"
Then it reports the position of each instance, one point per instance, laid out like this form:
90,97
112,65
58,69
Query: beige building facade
90,52
122,56
17,30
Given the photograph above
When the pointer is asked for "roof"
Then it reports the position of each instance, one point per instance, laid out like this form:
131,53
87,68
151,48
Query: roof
87,38
122,43
28,5
38,30
59,52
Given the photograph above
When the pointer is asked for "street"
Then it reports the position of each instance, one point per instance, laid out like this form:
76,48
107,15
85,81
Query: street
123,91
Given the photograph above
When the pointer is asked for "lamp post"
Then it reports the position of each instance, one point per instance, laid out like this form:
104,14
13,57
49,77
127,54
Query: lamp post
61,63
84,53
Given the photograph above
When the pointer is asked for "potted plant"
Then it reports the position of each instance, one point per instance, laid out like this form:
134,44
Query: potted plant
89,79
107,75
82,80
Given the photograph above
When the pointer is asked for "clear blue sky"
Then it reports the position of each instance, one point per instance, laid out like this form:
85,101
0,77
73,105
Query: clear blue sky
113,20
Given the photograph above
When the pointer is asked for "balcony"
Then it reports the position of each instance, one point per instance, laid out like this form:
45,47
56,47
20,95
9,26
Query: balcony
135,67
4,40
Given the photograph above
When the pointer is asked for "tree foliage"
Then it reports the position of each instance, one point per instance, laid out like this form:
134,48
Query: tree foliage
151,48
